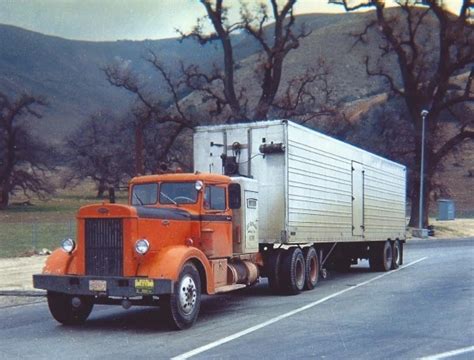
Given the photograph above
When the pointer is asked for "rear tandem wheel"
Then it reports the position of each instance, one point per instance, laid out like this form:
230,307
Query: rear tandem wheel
292,271
381,256
311,267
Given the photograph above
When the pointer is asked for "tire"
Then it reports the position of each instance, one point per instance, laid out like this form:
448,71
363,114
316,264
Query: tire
397,251
61,307
380,256
292,271
272,269
311,261
182,307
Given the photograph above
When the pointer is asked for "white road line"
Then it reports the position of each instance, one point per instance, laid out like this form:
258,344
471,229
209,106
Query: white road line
239,334
449,353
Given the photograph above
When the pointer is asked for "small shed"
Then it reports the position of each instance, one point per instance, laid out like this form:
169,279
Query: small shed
446,209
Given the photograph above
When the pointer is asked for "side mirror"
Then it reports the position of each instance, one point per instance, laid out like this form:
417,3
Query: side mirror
235,201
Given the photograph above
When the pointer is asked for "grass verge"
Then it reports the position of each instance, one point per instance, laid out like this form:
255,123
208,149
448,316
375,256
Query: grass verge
27,229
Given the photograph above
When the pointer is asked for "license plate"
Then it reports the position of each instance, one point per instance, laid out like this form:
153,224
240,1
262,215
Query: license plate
98,285
144,286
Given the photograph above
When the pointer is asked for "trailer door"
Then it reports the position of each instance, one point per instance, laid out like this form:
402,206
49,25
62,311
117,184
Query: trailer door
357,199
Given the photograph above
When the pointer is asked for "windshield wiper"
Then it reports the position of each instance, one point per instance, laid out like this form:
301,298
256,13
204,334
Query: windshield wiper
138,198
168,198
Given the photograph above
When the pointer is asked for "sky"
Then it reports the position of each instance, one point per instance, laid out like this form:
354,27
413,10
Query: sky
109,20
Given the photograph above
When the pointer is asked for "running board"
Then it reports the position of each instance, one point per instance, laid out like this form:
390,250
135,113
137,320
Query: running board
227,288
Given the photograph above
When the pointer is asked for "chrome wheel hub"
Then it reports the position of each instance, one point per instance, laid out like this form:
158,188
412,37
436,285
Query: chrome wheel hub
187,294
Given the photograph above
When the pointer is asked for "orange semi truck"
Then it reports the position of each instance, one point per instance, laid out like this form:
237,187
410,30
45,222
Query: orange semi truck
268,199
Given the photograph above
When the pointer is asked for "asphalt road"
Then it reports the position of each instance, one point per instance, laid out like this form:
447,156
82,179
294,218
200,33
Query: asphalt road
424,309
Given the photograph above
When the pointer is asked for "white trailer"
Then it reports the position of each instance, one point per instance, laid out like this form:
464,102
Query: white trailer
312,188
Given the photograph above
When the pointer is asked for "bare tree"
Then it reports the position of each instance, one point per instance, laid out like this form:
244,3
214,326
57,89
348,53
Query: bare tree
97,150
149,110
216,95
275,31
24,160
435,53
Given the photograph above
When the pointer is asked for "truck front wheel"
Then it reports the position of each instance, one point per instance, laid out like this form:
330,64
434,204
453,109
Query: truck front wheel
68,309
182,307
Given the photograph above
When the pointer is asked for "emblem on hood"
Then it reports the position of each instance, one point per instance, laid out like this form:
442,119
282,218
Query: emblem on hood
103,210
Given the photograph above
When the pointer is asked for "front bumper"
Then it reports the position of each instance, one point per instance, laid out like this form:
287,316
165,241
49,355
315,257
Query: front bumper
114,286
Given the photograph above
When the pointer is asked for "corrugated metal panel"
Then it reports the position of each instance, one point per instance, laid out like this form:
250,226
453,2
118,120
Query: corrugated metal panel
104,247
307,193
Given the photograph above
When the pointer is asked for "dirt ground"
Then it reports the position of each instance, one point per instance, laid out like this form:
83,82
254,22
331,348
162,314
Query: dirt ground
16,279
15,273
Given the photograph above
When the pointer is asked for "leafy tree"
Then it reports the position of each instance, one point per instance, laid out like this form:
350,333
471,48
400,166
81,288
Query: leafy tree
24,160
434,51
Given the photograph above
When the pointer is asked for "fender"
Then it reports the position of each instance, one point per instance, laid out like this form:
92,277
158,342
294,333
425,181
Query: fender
168,262
59,263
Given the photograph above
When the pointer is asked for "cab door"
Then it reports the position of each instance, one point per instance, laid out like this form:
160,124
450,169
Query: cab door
216,223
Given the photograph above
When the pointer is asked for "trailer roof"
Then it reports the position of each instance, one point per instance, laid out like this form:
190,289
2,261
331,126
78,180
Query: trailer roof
266,123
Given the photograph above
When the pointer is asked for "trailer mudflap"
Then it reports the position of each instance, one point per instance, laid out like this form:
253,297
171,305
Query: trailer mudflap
103,286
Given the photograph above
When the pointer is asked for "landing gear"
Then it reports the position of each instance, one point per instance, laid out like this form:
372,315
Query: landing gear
69,309
182,307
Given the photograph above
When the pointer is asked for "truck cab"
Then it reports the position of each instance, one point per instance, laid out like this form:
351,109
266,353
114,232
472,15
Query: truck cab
180,235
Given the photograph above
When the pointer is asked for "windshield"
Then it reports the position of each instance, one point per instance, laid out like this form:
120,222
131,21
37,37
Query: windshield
178,193
145,194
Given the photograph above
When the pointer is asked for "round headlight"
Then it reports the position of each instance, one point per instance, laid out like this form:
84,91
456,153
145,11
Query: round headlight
68,245
142,246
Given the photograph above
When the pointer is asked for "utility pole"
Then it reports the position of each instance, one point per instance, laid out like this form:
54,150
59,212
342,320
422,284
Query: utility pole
421,232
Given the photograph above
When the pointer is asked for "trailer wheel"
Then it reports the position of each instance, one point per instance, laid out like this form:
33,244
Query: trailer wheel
311,267
381,256
272,269
182,307
396,254
69,312
292,271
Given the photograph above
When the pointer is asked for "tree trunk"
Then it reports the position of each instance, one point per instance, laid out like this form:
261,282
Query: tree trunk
4,197
139,168
101,189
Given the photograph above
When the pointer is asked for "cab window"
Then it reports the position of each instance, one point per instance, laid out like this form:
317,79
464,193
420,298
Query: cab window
144,194
178,193
214,198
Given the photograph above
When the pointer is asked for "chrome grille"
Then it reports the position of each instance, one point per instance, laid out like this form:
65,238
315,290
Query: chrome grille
104,247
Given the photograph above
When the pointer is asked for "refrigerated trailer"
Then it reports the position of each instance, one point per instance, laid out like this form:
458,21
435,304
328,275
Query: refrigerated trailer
311,187
269,199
